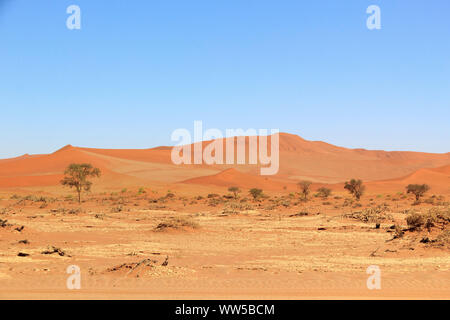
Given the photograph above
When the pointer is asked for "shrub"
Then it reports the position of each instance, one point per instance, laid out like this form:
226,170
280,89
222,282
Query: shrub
286,203
236,207
441,215
398,232
117,209
141,191
415,221
443,239
370,215
324,192
212,202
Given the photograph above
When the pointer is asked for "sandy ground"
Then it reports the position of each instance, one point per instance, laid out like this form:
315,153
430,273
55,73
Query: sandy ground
262,250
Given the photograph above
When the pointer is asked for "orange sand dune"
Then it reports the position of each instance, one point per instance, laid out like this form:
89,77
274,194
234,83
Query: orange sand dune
233,177
53,163
325,163
300,159
437,178
158,155
322,162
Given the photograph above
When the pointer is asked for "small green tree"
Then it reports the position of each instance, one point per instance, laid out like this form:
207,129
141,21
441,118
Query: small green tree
256,193
355,187
235,191
324,192
304,188
76,176
417,189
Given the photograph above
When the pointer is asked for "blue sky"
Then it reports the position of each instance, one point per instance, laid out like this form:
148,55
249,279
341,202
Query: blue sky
137,70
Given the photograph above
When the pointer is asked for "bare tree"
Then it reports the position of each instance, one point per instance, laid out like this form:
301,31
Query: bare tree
305,188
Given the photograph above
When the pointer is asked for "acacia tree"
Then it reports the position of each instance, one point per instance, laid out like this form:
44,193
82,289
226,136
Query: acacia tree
417,189
76,176
355,187
304,188
256,193
235,191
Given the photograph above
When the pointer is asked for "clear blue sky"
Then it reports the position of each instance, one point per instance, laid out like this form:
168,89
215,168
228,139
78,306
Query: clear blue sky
139,69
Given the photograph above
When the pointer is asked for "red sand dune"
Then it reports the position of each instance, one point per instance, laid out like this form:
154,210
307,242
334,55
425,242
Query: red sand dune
232,177
300,159
437,178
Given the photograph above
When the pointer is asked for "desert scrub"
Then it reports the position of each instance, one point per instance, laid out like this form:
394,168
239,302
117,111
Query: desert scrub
66,211
398,232
323,192
286,203
116,209
156,206
31,198
442,214
416,221
348,202
213,202
177,223
236,207
443,239
141,191
370,215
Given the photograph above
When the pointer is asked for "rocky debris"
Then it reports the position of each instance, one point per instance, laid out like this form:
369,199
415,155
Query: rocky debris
4,223
133,266
23,254
52,250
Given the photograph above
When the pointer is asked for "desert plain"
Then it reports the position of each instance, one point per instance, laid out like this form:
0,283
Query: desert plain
150,229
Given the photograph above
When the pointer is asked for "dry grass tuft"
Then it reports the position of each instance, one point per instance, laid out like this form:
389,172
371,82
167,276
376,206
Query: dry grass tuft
443,239
177,223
